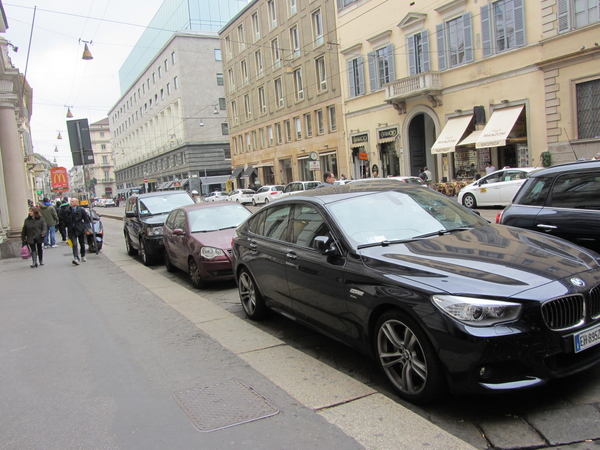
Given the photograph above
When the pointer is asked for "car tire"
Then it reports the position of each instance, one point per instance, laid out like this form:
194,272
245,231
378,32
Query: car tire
253,202
238,200
168,264
250,297
266,200
408,358
130,250
194,273
146,259
469,201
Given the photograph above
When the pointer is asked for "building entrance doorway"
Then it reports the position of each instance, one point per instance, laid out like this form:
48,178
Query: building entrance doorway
416,140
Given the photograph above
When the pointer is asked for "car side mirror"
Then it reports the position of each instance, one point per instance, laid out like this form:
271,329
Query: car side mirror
324,245
129,214
178,232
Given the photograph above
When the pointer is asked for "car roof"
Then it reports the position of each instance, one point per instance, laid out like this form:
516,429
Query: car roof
159,194
203,205
567,167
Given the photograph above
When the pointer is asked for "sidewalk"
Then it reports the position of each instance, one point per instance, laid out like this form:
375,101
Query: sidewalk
316,403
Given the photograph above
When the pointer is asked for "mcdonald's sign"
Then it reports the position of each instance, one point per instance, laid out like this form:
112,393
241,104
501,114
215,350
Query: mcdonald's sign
59,179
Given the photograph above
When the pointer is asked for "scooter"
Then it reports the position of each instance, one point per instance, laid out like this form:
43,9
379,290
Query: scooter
95,234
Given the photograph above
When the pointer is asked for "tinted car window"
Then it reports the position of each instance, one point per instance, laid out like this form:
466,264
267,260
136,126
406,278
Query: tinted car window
179,221
576,190
276,222
262,189
170,222
307,223
256,225
493,178
218,218
534,192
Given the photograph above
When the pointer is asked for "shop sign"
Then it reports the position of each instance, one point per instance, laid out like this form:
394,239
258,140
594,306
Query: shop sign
363,155
389,133
314,165
361,138
59,178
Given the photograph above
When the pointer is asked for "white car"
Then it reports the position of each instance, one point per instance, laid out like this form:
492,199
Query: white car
496,189
299,186
267,194
217,196
241,196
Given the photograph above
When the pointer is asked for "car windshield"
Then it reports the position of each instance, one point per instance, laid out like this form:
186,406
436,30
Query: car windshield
217,218
395,215
163,204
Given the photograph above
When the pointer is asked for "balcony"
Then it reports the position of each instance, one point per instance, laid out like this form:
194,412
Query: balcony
428,84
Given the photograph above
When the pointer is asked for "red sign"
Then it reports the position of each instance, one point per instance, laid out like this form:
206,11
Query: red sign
363,156
145,180
59,179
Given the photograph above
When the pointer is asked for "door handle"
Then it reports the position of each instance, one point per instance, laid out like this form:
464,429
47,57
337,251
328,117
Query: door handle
291,255
546,227
253,246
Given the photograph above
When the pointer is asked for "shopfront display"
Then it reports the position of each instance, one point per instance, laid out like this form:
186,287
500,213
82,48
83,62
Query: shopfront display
390,161
359,143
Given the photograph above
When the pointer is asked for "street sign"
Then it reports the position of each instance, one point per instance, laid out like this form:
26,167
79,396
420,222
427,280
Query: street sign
145,180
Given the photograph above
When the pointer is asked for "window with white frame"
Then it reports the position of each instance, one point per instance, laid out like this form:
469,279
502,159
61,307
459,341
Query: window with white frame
418,53
153,79
262,100
254,140
270,134
577,13
298,85
166,65
159,71
248,107
261,132
332,118
321,74
356,76
381,67
256,26
222,104
162,94
218,56
278,132
502,26
275,54
220,80
278,85
320,122
235,146
241,37
224,128
248,143
455,42
293,7
259,63
295,41
228,47
298,126
317,27
241,143
288,130
244,68
308,124
234,112
173,57
272,13
588,109
231,76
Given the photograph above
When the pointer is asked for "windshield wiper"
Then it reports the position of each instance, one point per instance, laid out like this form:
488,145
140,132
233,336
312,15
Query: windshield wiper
384,243
442,232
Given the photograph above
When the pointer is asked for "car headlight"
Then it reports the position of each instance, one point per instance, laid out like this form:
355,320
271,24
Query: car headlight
477,312
211,252
155,231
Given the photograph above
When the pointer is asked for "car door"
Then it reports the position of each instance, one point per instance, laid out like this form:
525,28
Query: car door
488,192
315,281
512,180
572,210
259,197
132,224
178,243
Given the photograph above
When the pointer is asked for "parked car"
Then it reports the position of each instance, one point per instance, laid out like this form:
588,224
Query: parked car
217,196
197,240
267,194
299,186
109,203
436,294
338,182
496,189
410,180
241,196
561,201
143,222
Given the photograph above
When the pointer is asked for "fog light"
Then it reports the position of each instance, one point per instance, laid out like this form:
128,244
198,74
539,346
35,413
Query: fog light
485,372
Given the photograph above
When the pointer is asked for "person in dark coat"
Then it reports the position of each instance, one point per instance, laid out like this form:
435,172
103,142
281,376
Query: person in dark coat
61,216
33,232
61,226
50,216
77,222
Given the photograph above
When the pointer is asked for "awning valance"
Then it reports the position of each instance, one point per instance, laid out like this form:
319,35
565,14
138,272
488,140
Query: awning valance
470,139
451,134
237,172
499,127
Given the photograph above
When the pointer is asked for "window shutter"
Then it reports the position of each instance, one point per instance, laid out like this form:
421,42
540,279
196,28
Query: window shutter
412,60
564,16
441,44
468,37
520,36
425,49
340,4
486,31
351,85
361,75
391,62
372,72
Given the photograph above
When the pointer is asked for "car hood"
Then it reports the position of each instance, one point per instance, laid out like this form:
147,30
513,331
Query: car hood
218,239
492,260
157,219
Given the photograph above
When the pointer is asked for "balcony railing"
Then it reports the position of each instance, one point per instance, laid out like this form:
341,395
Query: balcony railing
426,83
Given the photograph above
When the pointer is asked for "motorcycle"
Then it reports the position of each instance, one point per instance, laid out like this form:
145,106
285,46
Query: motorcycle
95,234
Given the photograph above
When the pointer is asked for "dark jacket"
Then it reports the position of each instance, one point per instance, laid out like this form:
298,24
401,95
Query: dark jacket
33,229
48,212
76,220
61,212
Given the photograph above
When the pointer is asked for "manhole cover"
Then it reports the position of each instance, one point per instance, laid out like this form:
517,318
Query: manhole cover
223,405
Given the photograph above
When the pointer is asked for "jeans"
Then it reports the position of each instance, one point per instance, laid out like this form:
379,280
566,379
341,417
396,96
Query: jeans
50,238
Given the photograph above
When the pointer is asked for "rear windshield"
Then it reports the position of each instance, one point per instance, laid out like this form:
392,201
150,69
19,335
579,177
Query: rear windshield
533,192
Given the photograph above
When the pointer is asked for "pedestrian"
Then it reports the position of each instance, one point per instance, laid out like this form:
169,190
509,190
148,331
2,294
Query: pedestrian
61,216
489,168
77,221
195,196
33,233
429,176
423,175
328,179
50,216
343,177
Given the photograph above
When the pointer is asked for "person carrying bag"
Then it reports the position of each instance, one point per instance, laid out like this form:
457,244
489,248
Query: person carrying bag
32,234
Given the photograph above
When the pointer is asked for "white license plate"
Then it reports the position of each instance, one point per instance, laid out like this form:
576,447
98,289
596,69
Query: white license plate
587,338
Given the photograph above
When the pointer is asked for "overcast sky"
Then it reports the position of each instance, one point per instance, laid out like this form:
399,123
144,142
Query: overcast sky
56,72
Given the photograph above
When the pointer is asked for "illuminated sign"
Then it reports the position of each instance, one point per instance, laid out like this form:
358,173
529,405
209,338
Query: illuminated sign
59,179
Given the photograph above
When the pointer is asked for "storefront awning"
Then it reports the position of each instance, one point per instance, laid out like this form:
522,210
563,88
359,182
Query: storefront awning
265,164
248,172
184,182
451,134
217,179
470,139
236,172
162,185
168,185
499,127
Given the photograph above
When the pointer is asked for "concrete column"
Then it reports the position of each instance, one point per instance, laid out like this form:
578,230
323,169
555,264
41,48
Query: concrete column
13,166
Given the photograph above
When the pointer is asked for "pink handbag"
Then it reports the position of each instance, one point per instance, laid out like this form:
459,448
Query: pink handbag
25,252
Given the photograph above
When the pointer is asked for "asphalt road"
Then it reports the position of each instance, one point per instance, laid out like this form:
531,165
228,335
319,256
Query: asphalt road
563,414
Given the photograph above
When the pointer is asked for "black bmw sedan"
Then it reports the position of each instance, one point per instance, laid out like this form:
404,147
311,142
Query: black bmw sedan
439,296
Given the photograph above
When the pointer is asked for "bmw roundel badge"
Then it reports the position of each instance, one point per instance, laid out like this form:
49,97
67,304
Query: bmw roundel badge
577,282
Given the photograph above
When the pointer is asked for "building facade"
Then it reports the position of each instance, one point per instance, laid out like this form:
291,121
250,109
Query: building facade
102,171
283,92
169,128
457,85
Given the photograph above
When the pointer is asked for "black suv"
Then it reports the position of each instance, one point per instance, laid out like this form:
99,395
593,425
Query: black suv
143,222
562,201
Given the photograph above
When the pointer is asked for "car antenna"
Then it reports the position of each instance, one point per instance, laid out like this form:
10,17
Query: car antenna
569,141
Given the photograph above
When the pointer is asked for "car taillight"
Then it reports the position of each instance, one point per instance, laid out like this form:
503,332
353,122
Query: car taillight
273,193
499,216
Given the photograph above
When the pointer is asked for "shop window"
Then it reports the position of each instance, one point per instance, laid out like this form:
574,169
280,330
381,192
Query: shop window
356,76
455,42
502,26
381,67
588,109
418,53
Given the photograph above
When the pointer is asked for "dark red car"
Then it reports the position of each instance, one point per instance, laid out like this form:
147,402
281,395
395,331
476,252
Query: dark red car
197,239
